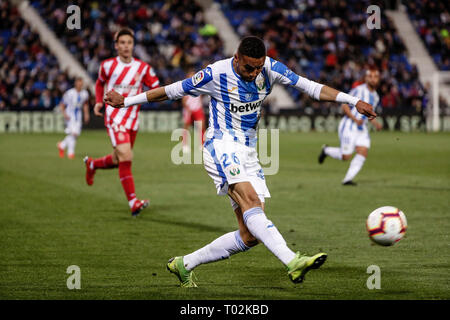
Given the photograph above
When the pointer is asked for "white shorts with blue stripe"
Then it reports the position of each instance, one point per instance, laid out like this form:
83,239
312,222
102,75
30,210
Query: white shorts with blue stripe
351,136
228,162
73,126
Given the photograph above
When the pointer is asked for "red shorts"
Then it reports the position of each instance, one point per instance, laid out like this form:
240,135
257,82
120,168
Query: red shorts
120,135
190,117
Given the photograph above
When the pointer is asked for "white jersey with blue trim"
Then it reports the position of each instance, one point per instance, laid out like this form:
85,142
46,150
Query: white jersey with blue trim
371,97
74,101
235,105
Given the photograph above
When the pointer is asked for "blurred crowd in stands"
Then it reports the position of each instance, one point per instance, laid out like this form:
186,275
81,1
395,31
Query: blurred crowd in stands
431,18
170,35
327,41
29,75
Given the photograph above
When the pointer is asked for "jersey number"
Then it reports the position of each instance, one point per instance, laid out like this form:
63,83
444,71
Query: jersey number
224,158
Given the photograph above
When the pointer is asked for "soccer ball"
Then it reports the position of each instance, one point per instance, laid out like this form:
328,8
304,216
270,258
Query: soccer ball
386,225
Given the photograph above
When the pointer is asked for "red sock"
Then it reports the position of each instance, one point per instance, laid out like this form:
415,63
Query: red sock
126,177
105,162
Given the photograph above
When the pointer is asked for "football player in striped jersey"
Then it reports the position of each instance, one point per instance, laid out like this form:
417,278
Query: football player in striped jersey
353,131
126,75
74,105
237,87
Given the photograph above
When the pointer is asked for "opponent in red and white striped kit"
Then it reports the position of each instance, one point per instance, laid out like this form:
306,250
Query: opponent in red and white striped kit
126,75
127,79
192,112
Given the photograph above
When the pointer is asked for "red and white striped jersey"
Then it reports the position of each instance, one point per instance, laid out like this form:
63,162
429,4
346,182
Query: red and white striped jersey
126,79
193,103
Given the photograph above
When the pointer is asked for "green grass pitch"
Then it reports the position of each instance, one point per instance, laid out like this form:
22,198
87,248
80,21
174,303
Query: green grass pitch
50,219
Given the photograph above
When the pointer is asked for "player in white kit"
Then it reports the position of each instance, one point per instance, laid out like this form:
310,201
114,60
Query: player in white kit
237,87
353,131
74,106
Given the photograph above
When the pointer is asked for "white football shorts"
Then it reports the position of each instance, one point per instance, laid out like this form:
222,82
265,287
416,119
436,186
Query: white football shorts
228,162
352,137
73,126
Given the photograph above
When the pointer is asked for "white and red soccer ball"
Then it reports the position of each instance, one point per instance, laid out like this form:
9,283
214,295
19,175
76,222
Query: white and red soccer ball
386,225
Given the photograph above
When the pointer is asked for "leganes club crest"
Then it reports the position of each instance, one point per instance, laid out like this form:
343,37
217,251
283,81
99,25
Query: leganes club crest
260,82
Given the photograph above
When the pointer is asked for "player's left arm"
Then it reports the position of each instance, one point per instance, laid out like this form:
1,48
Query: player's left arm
330,94
282,74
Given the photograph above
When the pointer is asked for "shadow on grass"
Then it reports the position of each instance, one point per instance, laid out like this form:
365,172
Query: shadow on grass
381,183
419,188
186,224
121,212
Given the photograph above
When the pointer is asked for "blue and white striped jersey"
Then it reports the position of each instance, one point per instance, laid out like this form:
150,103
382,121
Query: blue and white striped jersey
235,105
74,101
371,97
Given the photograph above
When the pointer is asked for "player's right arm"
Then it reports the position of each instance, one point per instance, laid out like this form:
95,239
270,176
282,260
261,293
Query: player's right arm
283,75
193,86
116,100
99,91
62,106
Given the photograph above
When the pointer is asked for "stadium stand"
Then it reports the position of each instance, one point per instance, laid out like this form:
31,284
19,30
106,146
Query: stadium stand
30,77
171,36
431,20
329,41
326,41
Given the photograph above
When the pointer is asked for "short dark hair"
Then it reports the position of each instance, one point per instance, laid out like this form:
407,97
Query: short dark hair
252,47
122,32
372,69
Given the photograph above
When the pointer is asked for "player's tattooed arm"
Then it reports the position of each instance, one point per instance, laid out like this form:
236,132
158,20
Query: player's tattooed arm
156,95
330,94
116,100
